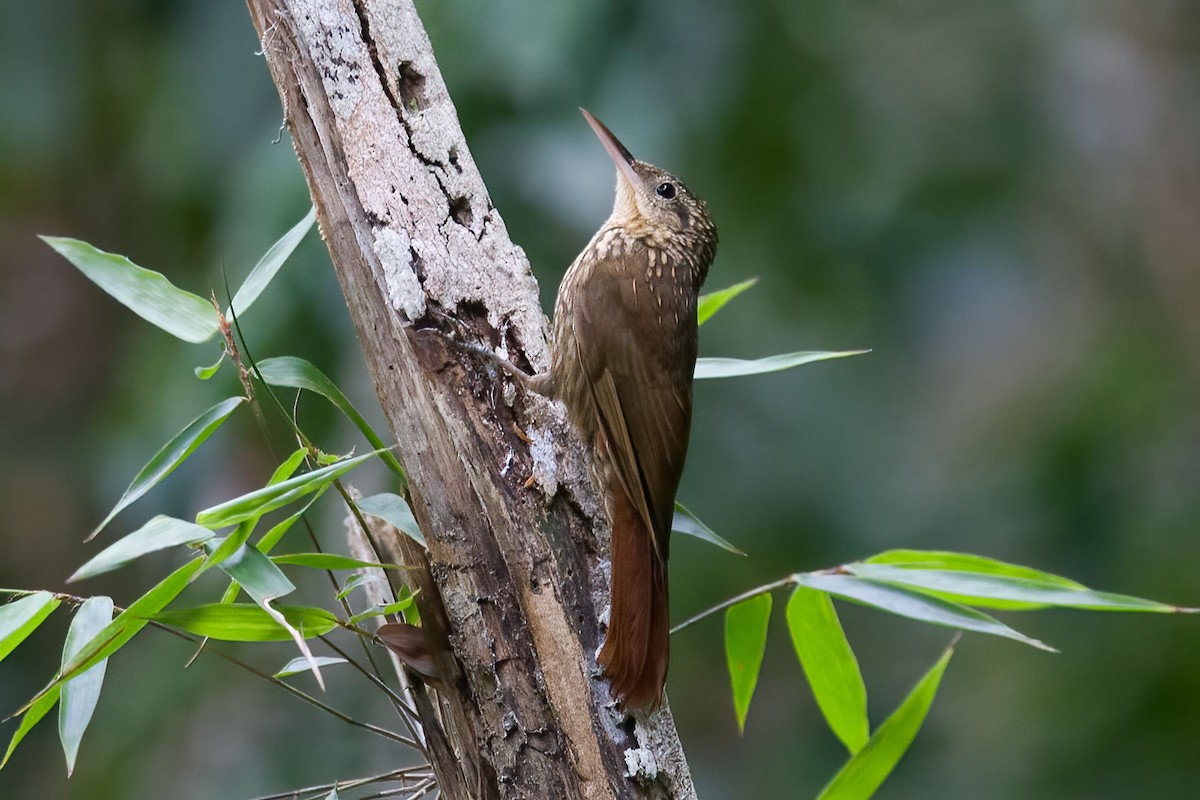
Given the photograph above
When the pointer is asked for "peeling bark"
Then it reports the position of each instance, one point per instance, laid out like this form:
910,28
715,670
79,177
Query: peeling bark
515,576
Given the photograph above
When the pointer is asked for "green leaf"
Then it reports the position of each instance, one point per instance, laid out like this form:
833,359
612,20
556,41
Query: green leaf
172,454
711,303
296,373
266,268
357,580
117,633
289,466
298,665
736,367
328,561
745,644
22,617
867,769
1004,591
204,373
398,607
246,527
227,546
911,604
830,665
157,534
271,538
688,523
274,496
129,622
392,509
147,293
34,713
966,562
254,572
81,693
243,622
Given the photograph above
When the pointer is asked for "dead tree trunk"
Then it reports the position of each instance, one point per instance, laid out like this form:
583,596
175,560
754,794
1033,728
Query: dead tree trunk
516,564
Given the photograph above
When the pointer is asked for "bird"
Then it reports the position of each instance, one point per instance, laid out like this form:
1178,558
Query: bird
622,357
621,361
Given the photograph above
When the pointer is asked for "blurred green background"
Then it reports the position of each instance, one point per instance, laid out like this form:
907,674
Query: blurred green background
1001,199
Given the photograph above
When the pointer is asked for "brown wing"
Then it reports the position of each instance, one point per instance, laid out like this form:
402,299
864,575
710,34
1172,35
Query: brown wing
639,360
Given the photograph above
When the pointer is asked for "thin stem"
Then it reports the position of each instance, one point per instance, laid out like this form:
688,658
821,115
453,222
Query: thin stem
422,789
407,714
305,442
292,690
415,725
768,587
366,529
375,679
416,772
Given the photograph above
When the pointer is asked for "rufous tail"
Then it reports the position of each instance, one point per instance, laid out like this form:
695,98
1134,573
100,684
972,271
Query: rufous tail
637,647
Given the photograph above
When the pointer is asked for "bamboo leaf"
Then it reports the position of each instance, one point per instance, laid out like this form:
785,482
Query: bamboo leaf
277,531
745,644
1005,591
262,590
271,538
688,523
830,665
243,622
289,466
33,714
267,267
914,605
204,373
392,509
147,293
298,665
357,580
245,528
172,454
228,545
22,617
711,303
254,572
736,367
117,633
867,769
294,632
274,496
399,607
129,622
966,562
296,373
158,534
81,693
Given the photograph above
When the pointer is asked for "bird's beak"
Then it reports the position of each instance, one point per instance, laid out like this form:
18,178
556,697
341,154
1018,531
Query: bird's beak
616,151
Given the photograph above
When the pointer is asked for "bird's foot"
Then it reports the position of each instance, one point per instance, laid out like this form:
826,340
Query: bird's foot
536,384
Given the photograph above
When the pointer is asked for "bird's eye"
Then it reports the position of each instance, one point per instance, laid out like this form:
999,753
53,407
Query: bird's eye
666,191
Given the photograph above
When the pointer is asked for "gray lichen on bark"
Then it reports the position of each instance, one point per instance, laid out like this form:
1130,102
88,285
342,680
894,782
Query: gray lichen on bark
387,92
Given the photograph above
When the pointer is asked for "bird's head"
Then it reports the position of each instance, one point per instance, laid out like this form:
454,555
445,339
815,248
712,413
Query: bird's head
651,202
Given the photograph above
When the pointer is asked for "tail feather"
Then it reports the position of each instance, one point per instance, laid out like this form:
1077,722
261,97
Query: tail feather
636,650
